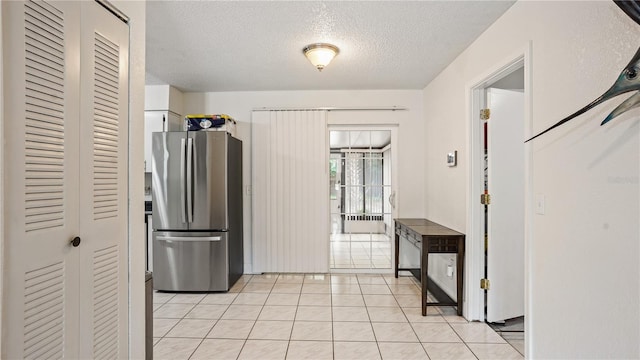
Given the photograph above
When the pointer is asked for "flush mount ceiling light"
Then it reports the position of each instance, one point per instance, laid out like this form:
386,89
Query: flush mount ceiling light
320,54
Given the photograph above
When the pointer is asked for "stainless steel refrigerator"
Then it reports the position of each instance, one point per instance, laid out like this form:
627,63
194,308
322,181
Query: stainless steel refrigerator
197,210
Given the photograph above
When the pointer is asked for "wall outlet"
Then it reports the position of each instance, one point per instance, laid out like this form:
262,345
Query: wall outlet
450,270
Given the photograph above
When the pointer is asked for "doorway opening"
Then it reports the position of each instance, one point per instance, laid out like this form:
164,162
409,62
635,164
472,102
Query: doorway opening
500,168
504,221
361,200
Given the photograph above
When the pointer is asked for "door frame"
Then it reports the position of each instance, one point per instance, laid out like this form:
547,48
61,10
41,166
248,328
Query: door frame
393,128
474,306
3,169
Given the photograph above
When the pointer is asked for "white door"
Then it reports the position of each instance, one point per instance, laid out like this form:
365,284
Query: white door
103,184
46,279
505,253
40,305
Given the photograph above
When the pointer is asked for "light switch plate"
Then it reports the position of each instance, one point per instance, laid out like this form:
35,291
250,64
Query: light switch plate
540,204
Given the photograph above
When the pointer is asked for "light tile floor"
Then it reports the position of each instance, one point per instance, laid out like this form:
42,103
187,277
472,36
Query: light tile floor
287,316
512,331
360,251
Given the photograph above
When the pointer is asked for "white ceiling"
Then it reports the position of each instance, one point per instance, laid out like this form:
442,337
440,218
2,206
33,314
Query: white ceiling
257,45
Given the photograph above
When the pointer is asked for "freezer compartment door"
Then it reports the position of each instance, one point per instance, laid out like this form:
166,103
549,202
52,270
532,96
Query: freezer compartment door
169,165
207,185
188,261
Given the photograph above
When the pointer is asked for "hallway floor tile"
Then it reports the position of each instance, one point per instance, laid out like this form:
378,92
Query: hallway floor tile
319,316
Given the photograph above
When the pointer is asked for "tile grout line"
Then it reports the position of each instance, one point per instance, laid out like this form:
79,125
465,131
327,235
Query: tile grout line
257,317
224,312
464,342
333,344
358,280
371,322
414,330
293,324
254,323
174,325
214,324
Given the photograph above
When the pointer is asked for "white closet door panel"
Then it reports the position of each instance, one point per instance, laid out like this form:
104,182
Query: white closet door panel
290,195
41,111
505,252
103,160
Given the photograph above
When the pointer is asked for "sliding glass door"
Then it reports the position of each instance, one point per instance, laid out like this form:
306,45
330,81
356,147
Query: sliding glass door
360,189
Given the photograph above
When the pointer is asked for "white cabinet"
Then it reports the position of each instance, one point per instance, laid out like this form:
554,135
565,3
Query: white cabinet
155,121
66,66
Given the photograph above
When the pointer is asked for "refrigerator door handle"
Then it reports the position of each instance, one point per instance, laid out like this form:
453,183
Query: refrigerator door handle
189,238
183,190
190,180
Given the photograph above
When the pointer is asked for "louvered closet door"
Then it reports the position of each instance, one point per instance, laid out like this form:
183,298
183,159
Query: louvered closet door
103,184
66,120
40,304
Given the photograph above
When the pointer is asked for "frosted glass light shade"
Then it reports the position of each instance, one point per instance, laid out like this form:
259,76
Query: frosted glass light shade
320,54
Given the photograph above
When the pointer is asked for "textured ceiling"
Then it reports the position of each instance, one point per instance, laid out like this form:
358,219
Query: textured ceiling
247,45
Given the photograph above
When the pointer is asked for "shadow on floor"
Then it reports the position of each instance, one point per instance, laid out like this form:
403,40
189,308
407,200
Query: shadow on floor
512,331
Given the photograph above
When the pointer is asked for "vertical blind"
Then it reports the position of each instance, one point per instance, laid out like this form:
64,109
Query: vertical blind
363,186
290,191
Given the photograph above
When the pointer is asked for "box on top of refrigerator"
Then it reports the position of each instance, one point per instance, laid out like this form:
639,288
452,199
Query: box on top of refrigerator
212,122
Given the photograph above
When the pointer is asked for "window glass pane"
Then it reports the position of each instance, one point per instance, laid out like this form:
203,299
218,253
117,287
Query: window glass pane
373,181
334,176
354,172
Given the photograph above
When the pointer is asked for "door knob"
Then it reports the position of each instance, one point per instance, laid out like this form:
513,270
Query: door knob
75,242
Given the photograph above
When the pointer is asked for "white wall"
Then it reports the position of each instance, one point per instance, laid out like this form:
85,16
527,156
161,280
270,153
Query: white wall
410,132
583,253
162,98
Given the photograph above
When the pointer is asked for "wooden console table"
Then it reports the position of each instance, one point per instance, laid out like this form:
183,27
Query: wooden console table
431,238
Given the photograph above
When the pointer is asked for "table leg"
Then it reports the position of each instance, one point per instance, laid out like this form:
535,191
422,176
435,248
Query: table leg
397,254
424,266
460,274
